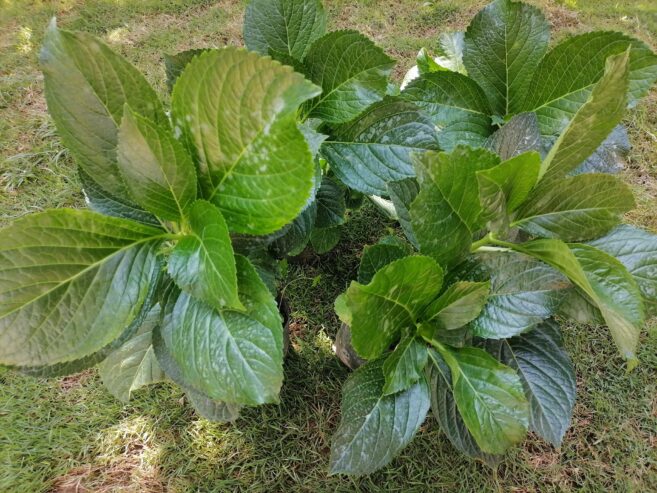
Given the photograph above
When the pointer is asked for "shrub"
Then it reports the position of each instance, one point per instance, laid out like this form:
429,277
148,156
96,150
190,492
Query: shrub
507,240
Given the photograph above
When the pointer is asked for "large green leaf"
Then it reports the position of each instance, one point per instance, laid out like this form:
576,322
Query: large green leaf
456,105
489,397
636,249
504,44
323,240
517,136
87,86
405,365
391,302
595,119
459,305
447,211
71,282
443,407
99,200
503,188
523,293
604,280
236,111
352,72
297,233
576,208
217,411
283,26
376,257
375,427
158,172
403,193
202,262
331,205
548,377
564,80
133,365
376,148
230,356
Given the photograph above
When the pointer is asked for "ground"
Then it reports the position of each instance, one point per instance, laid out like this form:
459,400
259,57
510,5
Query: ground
70,435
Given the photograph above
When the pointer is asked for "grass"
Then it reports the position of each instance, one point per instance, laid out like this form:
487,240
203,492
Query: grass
69,434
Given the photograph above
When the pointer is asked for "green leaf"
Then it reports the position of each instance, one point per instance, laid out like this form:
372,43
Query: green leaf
503,188
297,234
217,411
331,205
459,305
175,64
456,105
548,378
352,72
517,136
72,281
375,257
504,44
286,26
324,240
375,427
489,397
403,193
609,157
450,51
566,76
392,301
593,122
403,367
523,292
636,249
100,201
342,310
447,211
576,208
229,356
158,172
604,280
87,86
425,63
446,413
254,163
133,365
202,263
376,148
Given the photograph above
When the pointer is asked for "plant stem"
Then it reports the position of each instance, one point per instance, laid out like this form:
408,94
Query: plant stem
486,240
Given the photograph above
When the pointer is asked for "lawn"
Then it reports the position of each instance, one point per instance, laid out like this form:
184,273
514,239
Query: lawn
70,435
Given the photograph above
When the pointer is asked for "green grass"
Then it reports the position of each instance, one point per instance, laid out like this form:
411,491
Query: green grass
59,434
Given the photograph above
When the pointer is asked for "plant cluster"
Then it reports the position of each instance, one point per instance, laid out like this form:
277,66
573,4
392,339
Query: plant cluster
495,157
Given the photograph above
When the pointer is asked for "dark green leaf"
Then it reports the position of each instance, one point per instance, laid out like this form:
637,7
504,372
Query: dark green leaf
392,301
610,156
324,240
202,263
72,281
175,64
330,204
375,427
566,76
455,104
297,234
459,305
376,148
217,411
352,72
517,136
523,293
636,249
254,163
447,211
548,378
504,44
593,122
376,257
490,398
158,172
285,26
404,366
87,86
133,365
576,208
